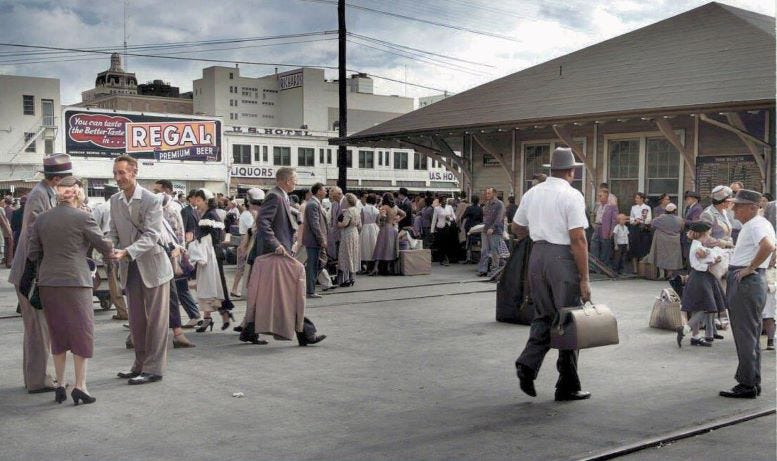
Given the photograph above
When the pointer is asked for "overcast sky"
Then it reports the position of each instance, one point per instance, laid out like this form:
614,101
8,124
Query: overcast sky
539,30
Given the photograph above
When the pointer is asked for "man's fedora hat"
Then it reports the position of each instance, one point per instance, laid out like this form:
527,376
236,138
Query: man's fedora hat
692,193
57,164
745,196
562,158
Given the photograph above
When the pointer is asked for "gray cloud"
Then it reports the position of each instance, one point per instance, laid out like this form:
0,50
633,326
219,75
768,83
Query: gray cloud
544,29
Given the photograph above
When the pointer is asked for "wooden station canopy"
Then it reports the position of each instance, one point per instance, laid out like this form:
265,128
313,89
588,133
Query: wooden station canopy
714,63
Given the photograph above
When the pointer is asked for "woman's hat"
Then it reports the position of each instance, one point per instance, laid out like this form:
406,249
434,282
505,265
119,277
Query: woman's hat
699,226
721,193
70,181
671,207
255,194
562,159
747,197
208,194
57,164
692,193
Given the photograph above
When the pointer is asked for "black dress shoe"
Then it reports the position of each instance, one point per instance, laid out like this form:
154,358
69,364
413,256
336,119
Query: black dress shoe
565,396
304,340
127,374
700,342
527,381
717,336
757,389
740,392
249,335
144,378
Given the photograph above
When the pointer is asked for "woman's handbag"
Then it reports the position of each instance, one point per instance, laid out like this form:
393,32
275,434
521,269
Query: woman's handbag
666,311
584,327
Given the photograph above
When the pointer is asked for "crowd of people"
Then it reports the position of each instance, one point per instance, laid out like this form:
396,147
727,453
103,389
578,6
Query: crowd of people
156,245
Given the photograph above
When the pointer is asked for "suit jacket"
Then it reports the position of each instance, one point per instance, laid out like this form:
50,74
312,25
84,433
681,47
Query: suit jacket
314,234
189,219
275,224
137,229
41,198
693,213
609,221
494,216
405,206
770,213
59,240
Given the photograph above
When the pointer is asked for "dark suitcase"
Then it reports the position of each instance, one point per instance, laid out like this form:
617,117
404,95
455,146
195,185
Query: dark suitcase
513,303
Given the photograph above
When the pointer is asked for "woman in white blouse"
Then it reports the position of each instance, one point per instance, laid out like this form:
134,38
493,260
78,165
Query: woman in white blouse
640,236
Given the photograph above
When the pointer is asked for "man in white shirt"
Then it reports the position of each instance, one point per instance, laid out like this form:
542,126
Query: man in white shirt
553,214
747,291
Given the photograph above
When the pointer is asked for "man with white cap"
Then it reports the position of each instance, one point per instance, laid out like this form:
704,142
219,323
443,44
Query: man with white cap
553,214
746,292
41,198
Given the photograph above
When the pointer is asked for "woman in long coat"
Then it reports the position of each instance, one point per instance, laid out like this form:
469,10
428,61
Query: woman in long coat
666,251
349,258
387,247
59,242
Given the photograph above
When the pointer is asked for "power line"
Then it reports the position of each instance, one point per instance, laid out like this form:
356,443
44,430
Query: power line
398,46
232,61
410,18
423,59
209,50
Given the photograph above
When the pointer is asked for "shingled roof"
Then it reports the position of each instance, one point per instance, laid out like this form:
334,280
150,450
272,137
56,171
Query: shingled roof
709,56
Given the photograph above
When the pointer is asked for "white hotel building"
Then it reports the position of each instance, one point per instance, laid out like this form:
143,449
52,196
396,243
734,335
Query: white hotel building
287,119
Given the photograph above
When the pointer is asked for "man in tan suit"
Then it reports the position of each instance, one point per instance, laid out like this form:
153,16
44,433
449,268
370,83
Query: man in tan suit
144,268
43,197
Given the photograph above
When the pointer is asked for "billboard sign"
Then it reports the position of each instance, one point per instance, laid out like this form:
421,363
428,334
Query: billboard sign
150,137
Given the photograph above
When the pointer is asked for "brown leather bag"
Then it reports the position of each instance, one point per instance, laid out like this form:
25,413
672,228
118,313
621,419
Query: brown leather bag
584,327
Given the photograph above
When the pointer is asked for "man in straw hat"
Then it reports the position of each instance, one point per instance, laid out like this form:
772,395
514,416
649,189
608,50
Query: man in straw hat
144,268
41,198
746,292
553,214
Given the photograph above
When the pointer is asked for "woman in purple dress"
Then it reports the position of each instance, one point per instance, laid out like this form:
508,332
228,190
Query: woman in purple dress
386,247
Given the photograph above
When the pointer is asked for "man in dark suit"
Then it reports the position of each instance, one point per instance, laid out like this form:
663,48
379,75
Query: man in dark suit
275,228
314,236
404,204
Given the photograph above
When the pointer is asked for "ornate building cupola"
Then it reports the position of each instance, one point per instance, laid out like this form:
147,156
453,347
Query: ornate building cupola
113,81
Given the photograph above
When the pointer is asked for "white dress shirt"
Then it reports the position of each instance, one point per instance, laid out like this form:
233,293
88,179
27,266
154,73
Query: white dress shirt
749,240
641,212
550,210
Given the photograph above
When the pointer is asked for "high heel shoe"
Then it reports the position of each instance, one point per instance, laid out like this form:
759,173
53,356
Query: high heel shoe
207,322
78,394
225,325
60,395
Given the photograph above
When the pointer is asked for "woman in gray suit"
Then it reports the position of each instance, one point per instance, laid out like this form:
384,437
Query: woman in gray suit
59,242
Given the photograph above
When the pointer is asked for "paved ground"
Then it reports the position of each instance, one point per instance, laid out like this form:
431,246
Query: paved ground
414,368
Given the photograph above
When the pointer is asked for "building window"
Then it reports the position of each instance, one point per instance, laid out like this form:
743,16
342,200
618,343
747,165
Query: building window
400,160
231,75
27,137
281,156
306,156
264,154
28,104
386,160
366,159
48,146
535,157
623,174
420,162
329,156
662,168
47,108
257,154
349,158
380,158
321,156
241,154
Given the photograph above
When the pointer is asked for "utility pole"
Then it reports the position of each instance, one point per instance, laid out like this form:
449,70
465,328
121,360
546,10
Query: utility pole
342,154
